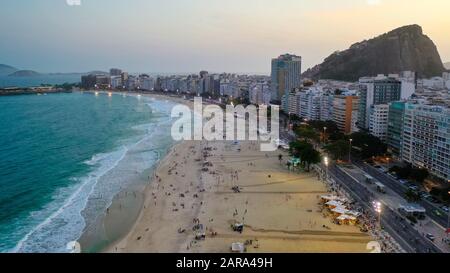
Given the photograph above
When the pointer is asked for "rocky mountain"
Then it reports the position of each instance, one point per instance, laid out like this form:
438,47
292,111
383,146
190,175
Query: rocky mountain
447,65
6,69
24,73
405,48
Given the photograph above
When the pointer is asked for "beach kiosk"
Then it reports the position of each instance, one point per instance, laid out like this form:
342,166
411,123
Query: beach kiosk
295,161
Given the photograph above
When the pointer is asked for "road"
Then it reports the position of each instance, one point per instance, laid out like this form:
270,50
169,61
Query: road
399,228
401,190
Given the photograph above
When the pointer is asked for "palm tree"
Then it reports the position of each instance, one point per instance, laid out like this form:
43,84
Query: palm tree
310,156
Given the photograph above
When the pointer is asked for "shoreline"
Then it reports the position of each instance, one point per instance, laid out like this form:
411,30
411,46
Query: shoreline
126,206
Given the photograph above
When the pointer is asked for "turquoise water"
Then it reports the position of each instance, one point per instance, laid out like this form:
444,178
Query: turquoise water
63,157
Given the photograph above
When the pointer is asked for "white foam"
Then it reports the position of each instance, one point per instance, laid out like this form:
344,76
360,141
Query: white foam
70,206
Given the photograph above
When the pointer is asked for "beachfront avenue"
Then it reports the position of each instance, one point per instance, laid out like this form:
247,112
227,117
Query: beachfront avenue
224,263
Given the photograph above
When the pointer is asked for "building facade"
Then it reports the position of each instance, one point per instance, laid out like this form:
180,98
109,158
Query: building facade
375,91
378,121
426,137
285,75
344,110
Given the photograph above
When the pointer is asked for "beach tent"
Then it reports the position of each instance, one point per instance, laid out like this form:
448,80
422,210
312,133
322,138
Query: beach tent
334,204
327,198
338,211
354,213
237,247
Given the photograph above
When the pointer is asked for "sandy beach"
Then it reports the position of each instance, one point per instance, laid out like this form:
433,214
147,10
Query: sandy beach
192,190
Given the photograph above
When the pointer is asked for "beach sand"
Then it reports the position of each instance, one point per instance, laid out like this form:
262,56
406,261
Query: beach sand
279,208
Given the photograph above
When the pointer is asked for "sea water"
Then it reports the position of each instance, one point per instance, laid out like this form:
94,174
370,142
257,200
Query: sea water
63,158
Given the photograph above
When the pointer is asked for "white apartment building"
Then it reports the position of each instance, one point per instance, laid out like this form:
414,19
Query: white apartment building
260,93
378,121
426,137
116,82
408,88
147,83
309,104
326,107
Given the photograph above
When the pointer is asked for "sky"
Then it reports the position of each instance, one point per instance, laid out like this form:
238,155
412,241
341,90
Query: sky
180,36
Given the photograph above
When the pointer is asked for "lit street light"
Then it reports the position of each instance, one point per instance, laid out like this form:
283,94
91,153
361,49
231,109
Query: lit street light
326,162
377,208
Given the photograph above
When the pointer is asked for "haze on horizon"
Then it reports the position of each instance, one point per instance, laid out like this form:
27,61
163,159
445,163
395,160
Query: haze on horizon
178,36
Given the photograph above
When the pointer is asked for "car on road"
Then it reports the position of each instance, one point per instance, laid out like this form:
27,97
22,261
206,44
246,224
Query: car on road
430,237
434,200
403,181
445,208
437,212
423,194
392,175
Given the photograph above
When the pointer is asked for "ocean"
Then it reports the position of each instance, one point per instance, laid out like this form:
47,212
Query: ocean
63,157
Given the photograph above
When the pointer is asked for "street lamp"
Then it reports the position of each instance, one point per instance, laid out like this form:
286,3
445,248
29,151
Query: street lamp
377,208
325,135
350,152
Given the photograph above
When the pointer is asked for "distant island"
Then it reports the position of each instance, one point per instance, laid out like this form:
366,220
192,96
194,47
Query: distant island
24,73
7,70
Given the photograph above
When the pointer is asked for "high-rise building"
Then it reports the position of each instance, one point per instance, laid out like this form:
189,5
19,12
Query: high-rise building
95,81
395,128
375,91
309,104
344,110
326,107
286,75
115,72
124,76
426,137
116,82
378,121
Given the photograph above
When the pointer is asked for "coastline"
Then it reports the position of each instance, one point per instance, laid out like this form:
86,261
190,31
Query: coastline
193,184
127,205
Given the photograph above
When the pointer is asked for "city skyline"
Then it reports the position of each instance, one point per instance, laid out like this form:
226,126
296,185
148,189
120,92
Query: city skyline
147,36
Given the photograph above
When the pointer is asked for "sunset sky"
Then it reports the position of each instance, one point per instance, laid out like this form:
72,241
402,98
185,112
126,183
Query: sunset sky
177,36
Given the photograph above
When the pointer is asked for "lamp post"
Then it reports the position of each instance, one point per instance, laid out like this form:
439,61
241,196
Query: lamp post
325,135
377,208
350,151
